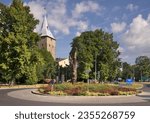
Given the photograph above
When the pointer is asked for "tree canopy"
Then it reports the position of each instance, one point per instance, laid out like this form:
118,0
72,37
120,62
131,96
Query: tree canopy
20,55
142,68
140,71
128,71
96,55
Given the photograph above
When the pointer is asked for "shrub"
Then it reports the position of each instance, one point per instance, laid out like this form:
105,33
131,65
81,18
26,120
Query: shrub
46,89
75,91
63,87
126,89
41,90
115,92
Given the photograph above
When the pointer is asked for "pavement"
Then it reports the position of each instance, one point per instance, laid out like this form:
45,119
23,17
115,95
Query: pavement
24,97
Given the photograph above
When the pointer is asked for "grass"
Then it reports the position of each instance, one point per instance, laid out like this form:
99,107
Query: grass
135,85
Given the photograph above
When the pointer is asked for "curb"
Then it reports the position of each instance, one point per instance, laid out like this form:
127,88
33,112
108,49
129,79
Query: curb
37,93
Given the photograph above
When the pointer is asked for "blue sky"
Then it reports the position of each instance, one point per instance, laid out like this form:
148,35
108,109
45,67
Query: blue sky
128,20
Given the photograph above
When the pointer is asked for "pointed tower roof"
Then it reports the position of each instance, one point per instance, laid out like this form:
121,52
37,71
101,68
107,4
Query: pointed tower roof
45,31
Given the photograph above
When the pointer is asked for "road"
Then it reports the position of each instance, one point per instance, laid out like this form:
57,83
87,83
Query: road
6,100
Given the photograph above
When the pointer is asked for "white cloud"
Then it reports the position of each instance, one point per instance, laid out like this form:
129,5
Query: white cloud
86,6
78,33
138,32
118,27
60,20
131,7
121,49
137,38
37,8
82,26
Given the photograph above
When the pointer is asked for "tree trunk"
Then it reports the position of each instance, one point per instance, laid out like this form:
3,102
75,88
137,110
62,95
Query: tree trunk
11,83
73,63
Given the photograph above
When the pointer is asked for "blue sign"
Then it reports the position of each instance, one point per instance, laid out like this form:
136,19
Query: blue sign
129,81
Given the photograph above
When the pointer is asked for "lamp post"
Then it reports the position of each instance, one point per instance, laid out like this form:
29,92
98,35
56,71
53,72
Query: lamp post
133,74
141,76
95,66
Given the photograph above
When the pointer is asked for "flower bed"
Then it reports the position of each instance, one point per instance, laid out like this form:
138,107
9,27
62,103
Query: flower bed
82,89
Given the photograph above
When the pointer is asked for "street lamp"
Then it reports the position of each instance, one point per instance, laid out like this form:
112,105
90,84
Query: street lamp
121,69
141,75
133,74
96,64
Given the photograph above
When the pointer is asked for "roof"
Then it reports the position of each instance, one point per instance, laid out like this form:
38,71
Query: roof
60,59
45,31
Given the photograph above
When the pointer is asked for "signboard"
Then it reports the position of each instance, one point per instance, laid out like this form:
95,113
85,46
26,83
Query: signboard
129,81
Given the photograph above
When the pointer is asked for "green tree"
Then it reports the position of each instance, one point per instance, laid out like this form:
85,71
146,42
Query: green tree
18,43
142,69
95,51
48,69
128,71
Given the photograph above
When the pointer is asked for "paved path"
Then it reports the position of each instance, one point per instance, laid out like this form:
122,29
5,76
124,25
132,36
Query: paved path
23,97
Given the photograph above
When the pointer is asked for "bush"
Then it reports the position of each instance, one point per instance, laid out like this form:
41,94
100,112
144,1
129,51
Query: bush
63,87
41,90
75,91
125,89
46,89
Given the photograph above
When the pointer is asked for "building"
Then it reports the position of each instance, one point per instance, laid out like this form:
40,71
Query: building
49,43
63,62
63,69
47,39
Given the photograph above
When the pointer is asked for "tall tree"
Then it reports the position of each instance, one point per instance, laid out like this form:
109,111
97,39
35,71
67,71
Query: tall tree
142,68
128,71
19,56
73,63
48,69
95,51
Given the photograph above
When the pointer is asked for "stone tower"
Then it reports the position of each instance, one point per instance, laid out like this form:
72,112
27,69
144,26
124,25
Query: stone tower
47,39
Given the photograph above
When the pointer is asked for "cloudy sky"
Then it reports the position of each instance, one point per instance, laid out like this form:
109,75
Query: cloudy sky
128,20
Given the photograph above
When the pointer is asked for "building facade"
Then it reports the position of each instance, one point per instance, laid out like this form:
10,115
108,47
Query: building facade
63,62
